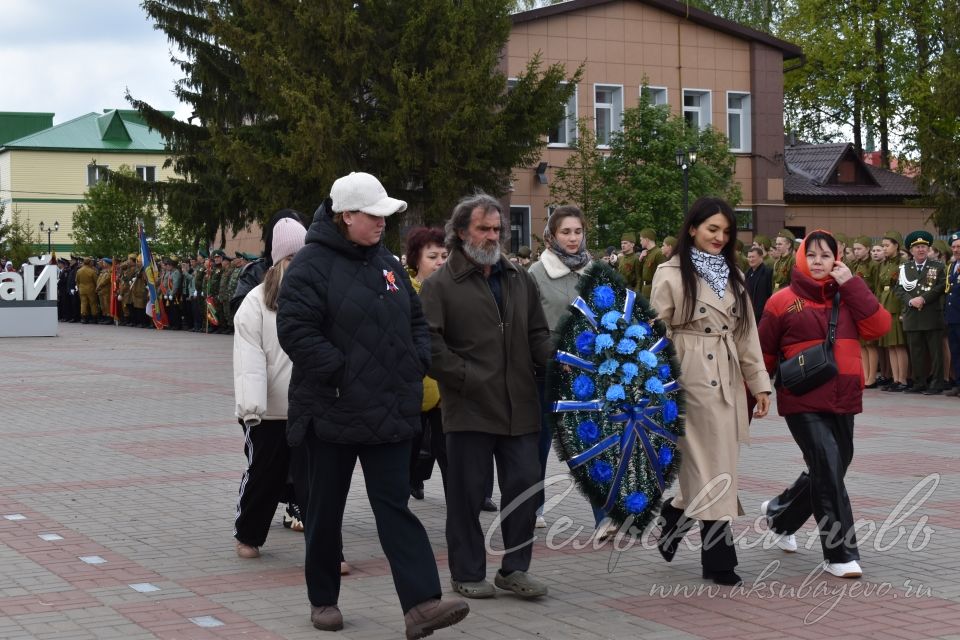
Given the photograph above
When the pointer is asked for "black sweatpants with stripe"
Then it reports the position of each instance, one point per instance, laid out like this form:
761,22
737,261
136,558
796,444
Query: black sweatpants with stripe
264,483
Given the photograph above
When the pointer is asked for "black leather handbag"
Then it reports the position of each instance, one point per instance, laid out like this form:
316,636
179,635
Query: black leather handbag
814,366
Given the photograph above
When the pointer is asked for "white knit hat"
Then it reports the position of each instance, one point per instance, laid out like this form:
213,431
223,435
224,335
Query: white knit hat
363,192
288,235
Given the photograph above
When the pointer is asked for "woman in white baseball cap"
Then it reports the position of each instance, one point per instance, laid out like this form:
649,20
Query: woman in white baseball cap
352,324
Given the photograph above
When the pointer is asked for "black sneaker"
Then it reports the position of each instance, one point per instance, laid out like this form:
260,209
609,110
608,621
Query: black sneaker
292,519
488,505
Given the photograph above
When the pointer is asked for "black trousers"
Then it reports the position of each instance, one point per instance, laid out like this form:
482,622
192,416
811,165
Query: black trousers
926,357
953,340
430,447
826,440
264,483
386,472
717,551
518,470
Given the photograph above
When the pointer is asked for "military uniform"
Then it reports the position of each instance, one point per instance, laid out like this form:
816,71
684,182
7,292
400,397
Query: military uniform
951,315
87,290
199,295
103,290
783,266
170,292
923,326
628,265
213,287
186,296
138,297
653,259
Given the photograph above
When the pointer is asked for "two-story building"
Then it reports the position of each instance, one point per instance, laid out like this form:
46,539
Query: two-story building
45,169
710,70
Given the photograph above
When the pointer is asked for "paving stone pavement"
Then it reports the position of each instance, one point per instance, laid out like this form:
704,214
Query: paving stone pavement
119,444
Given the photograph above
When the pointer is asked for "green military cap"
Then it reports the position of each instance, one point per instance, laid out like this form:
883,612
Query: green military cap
842,238
919,237
763,241
941,246
250,256
203,252
670,241
895,236
523,251
131,256
648,234
864,240
220,252
787,234
629,236
954,236
237,254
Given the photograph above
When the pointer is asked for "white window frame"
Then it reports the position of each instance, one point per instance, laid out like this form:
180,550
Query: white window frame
656,92
616,111
744,210
744,144
142,172
524,241
511,83
569,123
97,175
704,111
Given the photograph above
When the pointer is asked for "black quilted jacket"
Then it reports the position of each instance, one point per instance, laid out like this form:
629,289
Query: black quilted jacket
359,345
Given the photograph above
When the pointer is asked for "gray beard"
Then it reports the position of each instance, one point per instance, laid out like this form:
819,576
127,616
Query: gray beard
482,256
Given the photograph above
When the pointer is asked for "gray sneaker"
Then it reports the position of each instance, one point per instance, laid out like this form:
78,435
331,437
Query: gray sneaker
521,584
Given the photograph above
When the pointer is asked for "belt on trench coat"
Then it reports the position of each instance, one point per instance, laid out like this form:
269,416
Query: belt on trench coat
726,339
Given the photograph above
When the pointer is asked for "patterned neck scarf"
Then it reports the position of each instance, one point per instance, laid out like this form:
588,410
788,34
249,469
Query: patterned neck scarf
573,261
713,269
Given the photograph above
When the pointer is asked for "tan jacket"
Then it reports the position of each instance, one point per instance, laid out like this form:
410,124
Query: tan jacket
714,365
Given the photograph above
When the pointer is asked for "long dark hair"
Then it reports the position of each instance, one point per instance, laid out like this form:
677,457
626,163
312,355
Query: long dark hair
700,210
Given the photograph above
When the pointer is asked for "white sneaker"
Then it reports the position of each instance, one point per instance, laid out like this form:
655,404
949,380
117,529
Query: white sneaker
541,523
786,541
844,569
763,510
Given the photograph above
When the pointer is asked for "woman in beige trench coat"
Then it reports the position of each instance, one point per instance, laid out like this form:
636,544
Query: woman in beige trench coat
700,295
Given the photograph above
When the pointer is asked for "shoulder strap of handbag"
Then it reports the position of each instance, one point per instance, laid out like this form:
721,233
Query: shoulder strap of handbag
834,316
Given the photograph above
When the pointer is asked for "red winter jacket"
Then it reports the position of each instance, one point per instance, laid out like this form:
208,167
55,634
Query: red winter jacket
797,317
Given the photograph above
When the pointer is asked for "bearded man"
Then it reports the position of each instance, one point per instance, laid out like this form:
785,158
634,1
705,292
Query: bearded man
488,331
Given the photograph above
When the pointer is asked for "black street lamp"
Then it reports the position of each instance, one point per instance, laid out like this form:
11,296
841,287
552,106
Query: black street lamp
49,230
685,160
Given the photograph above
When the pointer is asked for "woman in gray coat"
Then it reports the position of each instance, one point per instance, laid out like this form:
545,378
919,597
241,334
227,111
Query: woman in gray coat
557,274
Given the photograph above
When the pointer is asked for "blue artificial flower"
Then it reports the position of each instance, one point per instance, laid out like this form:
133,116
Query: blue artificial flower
603,341
615,392
665,456
601,471
610,319
608,367
669,411
629,372
653,385
647,359
636,502
603,296
582,387
584,341
663,372
588,431
626,346
637,331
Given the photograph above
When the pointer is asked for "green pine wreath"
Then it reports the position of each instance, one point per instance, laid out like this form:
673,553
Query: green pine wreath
617,405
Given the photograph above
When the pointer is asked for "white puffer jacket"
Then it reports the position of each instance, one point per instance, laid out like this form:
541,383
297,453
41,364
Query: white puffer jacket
261,369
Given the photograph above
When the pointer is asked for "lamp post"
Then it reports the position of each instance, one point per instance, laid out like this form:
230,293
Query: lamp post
49,230
686,159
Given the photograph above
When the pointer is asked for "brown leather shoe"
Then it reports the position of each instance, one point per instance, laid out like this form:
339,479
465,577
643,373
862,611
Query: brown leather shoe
427,617
326,618
247,551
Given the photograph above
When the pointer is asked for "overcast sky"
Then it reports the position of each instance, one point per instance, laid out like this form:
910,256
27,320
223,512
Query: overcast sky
71,57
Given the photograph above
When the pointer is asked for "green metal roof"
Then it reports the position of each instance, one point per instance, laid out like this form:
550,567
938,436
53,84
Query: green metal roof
17,124
106,132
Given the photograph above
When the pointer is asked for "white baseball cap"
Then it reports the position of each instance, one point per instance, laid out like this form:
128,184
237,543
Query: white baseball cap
362,192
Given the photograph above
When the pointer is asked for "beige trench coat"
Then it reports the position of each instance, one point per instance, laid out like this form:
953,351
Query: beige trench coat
714,364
